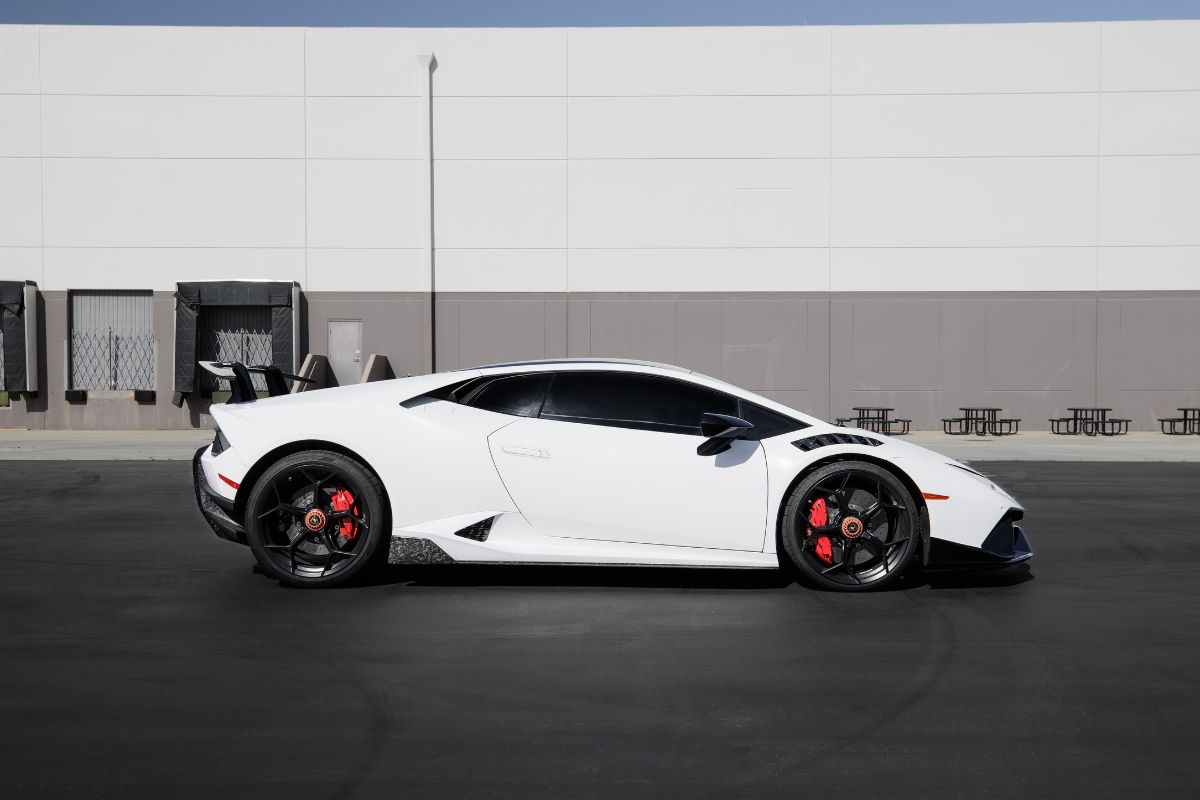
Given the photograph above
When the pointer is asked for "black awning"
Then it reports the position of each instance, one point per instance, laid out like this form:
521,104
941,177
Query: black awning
191,297
12,323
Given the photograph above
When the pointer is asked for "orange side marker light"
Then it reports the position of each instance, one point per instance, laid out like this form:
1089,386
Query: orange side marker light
932,496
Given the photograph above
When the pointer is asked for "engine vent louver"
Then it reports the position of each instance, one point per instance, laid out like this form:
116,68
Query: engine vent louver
478,531
826,439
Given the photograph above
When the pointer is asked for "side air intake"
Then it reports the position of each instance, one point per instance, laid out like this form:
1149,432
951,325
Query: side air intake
826,439
479,531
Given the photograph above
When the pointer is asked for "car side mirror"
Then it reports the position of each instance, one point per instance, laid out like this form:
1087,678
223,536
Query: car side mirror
720,432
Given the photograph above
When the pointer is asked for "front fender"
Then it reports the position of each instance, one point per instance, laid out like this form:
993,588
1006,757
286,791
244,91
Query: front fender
964,507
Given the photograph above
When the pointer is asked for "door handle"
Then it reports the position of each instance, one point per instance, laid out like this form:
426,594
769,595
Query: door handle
521,450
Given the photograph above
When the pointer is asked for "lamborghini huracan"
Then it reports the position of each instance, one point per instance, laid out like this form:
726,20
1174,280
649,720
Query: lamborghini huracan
581,461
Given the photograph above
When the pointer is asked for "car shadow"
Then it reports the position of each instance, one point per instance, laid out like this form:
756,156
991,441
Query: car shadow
978,579
583,576
566,576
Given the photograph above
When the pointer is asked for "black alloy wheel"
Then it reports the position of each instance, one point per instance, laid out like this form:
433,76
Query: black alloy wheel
851,526
316,519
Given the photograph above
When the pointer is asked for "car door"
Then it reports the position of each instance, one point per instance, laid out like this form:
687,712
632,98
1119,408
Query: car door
612,456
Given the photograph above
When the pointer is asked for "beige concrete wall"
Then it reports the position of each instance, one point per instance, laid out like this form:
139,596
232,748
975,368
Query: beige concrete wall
925,354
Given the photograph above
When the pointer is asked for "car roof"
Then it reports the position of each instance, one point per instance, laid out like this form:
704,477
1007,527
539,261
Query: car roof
576,362
412,386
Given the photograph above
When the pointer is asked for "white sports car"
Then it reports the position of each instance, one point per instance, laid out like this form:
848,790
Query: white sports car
596,461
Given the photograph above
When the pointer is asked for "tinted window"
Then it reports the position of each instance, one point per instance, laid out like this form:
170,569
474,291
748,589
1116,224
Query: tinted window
768,423
633,401
520,395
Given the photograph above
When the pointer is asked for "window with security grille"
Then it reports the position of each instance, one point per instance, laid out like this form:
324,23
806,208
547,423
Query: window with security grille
234,333
112,340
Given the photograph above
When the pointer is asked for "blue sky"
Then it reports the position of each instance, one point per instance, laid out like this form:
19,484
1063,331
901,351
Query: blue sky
520,13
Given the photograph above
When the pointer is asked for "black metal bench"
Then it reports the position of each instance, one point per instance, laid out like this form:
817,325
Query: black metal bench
955,426
1065,426
1110,427
1005,426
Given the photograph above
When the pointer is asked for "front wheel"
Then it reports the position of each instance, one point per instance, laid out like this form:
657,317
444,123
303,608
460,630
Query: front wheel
850,526
316,519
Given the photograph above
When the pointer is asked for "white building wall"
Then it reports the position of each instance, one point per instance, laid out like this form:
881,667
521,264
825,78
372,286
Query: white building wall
915,158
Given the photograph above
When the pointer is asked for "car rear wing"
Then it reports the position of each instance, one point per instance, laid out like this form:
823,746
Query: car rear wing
240,383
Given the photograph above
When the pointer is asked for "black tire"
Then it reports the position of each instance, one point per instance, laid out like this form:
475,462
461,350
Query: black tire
865,549
299,547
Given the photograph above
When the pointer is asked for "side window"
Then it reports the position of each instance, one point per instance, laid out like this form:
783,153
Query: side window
519,395
768,423
628,400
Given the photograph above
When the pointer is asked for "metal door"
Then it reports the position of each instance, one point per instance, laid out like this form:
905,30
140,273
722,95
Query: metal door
112,340
345,351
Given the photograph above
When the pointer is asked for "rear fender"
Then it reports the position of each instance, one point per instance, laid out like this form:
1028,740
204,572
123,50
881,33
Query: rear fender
432,458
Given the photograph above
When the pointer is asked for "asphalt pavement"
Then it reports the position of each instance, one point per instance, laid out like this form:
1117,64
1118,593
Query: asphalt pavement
140,656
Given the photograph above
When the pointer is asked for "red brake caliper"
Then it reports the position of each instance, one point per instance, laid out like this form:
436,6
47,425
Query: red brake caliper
342,500
818,515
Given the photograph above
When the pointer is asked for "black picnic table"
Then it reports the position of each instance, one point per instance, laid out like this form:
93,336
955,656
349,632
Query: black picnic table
980,420
1181,426
1089,421
876,419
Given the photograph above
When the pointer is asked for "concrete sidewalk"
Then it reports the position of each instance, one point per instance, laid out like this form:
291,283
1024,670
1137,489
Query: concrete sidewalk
1045,446
36,445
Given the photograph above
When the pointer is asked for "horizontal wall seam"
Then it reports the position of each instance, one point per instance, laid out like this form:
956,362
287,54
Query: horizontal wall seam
443,96
508,159
788,248
1000,246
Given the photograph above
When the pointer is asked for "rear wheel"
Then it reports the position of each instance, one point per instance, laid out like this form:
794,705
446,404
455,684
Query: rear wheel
850,526
316,519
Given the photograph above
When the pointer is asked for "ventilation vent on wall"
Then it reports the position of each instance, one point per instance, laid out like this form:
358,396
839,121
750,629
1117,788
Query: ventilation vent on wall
479,531
826,439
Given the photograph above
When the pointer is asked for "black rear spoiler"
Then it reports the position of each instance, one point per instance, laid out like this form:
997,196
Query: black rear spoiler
242,388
